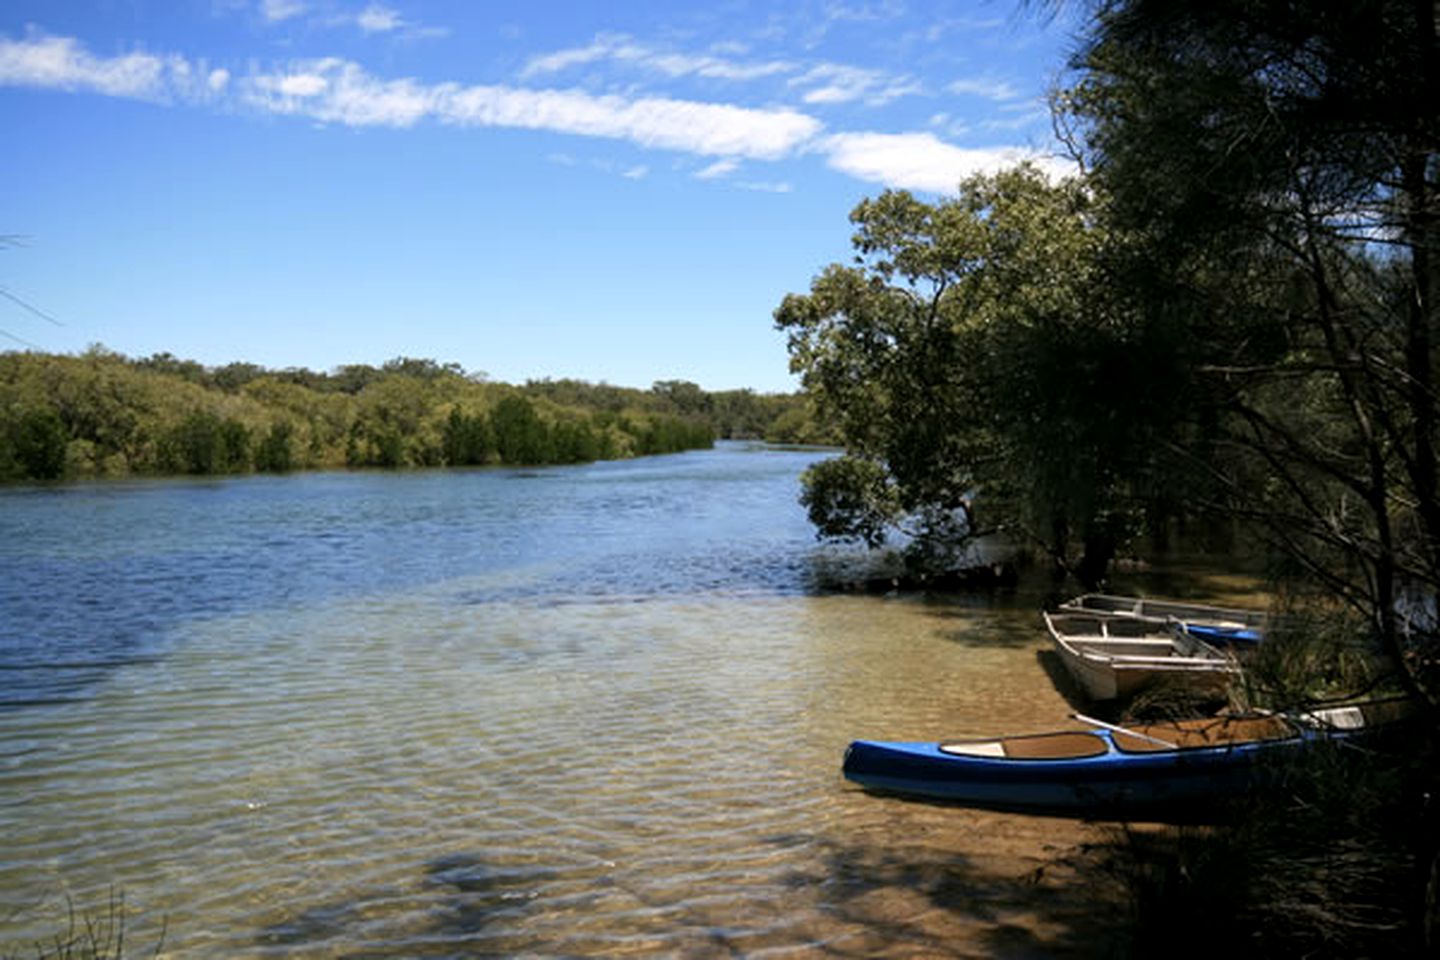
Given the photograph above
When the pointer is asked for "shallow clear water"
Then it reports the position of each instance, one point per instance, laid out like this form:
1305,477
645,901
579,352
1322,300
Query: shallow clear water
581,711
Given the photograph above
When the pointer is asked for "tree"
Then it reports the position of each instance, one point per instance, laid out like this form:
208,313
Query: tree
38,443
275,452
521,437
974,363
467,439
1274,168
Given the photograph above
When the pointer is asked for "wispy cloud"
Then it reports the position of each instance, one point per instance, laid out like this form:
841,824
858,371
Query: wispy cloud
374,17
937,29
624,49
766,186
989,88
338,91
821,83
378,19
62,63
718,169
871,12
276,10
838,83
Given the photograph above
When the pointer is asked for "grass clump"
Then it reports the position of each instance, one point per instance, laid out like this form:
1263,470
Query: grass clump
1332,855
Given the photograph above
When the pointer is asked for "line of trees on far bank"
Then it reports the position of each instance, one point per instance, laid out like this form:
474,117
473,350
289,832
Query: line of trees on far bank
104,414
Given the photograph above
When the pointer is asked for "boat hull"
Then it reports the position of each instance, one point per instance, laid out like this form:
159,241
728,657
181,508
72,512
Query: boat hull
1110,666
1217,625
1160,785
1173,770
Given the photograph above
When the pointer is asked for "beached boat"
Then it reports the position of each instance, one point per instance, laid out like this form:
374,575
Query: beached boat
1152,770
1211,623
1114,657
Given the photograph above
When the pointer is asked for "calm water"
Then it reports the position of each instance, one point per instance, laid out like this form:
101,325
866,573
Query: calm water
581,711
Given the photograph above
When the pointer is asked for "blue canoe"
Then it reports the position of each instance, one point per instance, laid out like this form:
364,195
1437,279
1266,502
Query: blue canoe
1136,772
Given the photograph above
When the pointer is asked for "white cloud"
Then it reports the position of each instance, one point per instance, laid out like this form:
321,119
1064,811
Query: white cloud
764,186
624,49
1032,116
991,89
338,91
301,85
378,19
276,10
61,63
838,83
685,125
720,168
922,161
865,12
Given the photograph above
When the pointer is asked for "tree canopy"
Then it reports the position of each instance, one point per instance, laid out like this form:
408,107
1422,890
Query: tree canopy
982,373
103,414
1229,315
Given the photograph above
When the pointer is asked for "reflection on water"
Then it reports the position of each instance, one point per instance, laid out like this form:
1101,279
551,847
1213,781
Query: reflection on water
593,711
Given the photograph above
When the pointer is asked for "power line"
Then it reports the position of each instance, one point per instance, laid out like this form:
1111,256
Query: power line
31,307
22,341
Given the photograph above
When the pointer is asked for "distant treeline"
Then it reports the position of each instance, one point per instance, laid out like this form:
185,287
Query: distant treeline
104,414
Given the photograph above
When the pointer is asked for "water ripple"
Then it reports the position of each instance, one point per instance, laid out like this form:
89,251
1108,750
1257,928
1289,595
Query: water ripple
621,741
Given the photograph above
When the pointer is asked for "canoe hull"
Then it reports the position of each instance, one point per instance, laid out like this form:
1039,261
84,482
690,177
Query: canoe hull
1169,770
1111,786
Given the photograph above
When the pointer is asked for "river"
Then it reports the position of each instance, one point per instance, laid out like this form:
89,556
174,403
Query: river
580,711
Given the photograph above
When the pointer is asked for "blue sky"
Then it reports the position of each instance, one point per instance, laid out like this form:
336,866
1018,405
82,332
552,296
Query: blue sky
612,191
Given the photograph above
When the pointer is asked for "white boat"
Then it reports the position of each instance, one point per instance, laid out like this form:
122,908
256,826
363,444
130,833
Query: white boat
1226,625
1115,656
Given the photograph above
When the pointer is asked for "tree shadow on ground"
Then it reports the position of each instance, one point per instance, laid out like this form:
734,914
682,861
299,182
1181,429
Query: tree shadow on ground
918,901
852,900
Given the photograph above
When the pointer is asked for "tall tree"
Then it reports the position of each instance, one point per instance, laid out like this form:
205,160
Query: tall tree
976,365
1274,166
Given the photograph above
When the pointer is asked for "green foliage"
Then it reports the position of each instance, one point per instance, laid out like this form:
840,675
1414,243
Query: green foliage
204,443
101,413
1274,175
275,452
468,440
37,444
975,356
851,499
521,437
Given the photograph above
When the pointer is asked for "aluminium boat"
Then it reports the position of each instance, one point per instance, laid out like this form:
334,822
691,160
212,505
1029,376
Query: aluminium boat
1114,657
1226,625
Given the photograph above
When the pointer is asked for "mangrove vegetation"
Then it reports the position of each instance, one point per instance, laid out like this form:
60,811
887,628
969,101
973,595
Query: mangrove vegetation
102,414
